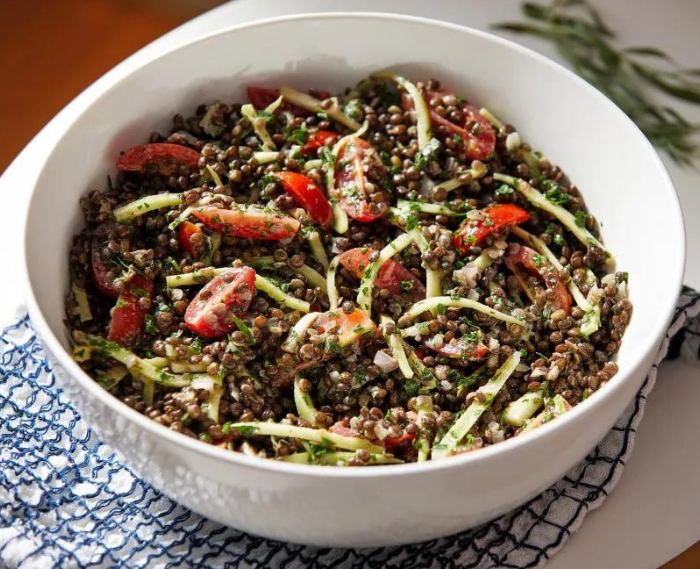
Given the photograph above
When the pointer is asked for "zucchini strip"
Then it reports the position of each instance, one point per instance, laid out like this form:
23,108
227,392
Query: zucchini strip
564,216
318,436
309,103
259,124
266,157
302,401
396,345
478,170
311,164
422,371
433,277
338,458
138,367
424,207
298,331
483,261
318,251
214,176
276,293
313,277
138,207
466,421
364,297
448,301
520,410
423,124
424,439
489,116
332,290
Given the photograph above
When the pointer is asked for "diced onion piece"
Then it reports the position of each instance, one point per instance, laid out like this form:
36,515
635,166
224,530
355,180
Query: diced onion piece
466,421
423,124
396,345
138,207
384,361
513,142
309,103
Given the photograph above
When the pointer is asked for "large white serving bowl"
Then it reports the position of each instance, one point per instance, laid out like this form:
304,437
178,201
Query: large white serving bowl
616,168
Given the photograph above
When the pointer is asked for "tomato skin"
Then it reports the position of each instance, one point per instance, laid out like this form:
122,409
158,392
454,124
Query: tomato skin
185,231
251,223
463,350
351,327
473,231
128,318
350,165
102,274
390,276
164,154
318,139
261,97
525,258
476,147
209,313
308,195
390,442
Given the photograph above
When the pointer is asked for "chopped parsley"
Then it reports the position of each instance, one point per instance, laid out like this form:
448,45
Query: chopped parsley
504,190
581,218
428,154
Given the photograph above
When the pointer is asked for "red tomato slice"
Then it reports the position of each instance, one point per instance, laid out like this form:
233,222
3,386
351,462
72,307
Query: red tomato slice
318,139
390,442
538,265
209,314
165,155
496,216
350,326
308,195
185,231
128,318
261,97
462,349
476,147
252,222
391,275
351,181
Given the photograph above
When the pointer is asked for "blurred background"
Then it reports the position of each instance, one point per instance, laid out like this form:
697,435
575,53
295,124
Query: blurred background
50,50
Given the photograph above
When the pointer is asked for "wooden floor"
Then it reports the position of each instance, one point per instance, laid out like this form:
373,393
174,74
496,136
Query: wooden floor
50,50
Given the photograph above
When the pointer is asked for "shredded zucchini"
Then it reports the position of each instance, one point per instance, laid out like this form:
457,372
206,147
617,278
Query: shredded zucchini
304,404
423,124
214,176
337,458
433,277
520,410
396,345
364,297
332,290
489,116
313,105
276,293
259,123
436,303
423,372
318,436
311,164
82,306
478,170
313,277
298,331
424,440
483,261
138,207
317,249
466,421
425,207
340,219
111,377
563,215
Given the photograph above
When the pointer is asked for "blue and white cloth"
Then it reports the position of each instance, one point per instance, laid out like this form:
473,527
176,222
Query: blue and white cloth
67,500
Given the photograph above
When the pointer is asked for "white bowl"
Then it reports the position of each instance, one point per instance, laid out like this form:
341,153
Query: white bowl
618,171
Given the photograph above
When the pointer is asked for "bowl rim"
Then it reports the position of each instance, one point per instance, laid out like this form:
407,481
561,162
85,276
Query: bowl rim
676,271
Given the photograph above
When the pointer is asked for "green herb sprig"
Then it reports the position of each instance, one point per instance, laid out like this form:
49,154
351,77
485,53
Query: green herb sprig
624,75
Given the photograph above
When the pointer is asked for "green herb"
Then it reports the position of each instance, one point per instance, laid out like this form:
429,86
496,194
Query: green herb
226,427
326,156
150,325
406,285
426,156
411,387
628,76
411,222
174,264
557,197
388,97
581,218
539,260
299,135
244,430
504,190
243,328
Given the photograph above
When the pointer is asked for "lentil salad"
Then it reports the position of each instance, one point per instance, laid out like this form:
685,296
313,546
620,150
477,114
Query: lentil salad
389,275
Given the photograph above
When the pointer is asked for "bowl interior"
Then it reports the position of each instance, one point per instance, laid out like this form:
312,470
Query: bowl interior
614,166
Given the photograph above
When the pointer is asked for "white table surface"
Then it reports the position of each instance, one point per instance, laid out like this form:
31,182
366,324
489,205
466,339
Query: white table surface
654,513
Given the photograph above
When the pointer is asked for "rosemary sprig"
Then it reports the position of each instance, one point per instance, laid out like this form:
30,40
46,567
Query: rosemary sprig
625,75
